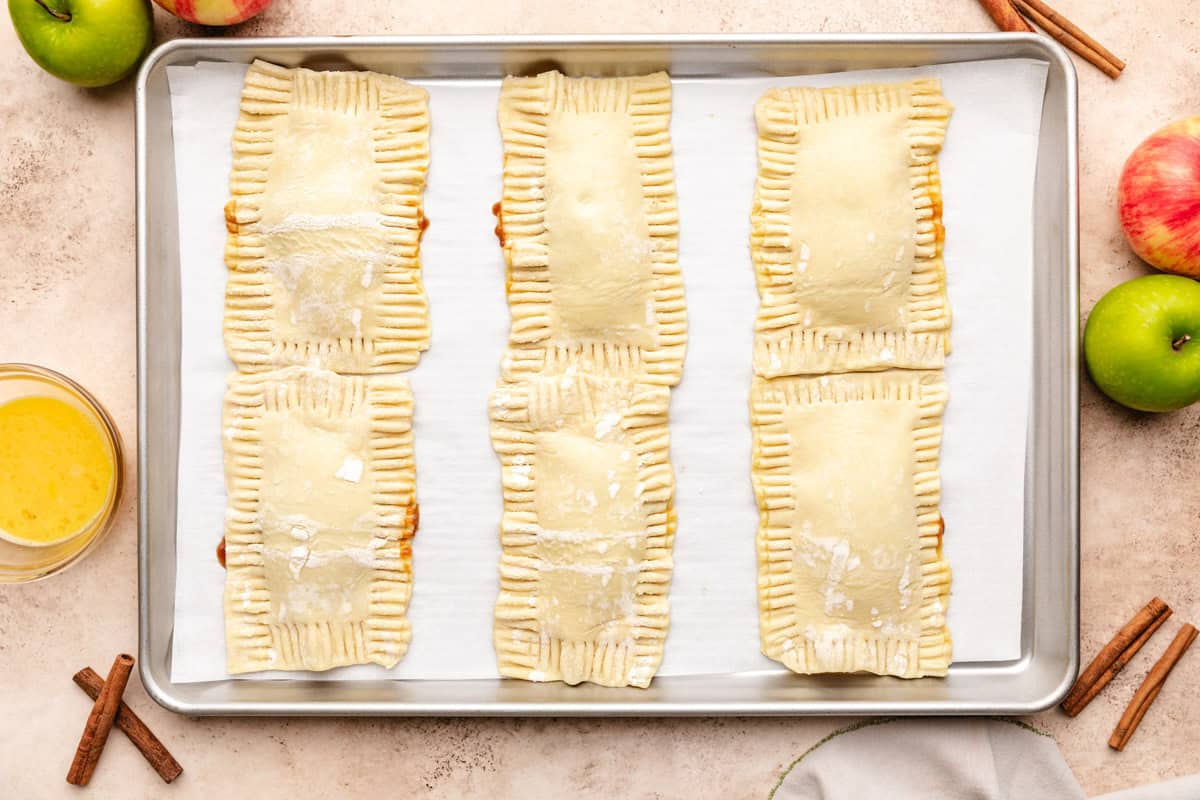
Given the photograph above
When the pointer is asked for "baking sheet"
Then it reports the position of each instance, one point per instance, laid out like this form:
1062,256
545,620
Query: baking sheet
987,171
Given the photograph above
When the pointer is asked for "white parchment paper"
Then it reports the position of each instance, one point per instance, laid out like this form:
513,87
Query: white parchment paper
987,171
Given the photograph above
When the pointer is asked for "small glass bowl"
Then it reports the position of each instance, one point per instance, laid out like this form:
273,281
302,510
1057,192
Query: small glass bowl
29,562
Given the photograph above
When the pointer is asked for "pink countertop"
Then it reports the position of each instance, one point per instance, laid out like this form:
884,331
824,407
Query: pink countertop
67,301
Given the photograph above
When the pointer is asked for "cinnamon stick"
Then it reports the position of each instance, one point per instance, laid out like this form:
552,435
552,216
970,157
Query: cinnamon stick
1148,691
1068,39
100,722
1073,29
153,750
1115,655
1005,16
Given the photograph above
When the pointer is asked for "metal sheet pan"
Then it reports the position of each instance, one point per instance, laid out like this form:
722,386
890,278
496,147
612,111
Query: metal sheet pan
1049,640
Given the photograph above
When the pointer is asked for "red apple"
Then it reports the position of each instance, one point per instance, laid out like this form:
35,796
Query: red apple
1159,198
214,12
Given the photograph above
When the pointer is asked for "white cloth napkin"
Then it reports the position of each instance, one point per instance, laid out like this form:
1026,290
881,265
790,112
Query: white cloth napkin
946,759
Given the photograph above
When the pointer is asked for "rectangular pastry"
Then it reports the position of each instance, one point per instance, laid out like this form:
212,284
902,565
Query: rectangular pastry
847,229
590,227
587,529
851,573
325,222
320,476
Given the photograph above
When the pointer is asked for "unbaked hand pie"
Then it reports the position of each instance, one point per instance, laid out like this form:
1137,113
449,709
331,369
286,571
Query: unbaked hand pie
320,477
847,229
851,574
590,226
325,222
587,528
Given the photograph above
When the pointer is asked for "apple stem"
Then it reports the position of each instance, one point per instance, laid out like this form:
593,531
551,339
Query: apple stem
1178,344
64,16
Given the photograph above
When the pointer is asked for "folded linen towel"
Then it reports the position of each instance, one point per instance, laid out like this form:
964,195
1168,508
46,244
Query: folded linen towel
946,759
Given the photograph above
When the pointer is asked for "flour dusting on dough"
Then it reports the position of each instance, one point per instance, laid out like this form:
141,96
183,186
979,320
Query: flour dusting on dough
351,470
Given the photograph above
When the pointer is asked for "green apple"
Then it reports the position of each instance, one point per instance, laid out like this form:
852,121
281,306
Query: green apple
86,42
1142,343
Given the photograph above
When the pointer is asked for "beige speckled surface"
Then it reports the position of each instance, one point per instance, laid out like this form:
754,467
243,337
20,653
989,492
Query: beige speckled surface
66,301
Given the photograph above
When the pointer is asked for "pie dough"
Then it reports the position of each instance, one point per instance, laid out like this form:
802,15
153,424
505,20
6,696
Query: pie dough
851,573
587,529
325,222
847,229
320,477
590,227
